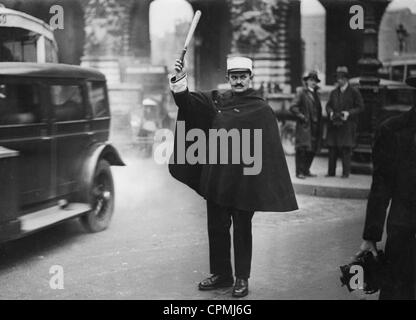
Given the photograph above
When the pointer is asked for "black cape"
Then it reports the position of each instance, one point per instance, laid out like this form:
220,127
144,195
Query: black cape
225,184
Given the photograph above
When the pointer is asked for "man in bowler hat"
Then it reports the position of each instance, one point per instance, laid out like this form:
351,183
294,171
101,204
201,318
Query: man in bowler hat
343,107
307,108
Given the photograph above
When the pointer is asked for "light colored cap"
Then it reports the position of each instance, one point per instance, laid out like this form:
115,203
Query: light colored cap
239,64
149,102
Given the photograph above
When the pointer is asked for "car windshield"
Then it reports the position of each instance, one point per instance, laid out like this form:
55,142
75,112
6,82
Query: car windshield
19,103
17,44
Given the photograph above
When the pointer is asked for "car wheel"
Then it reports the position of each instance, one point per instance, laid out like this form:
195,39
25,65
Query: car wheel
288,137
101,199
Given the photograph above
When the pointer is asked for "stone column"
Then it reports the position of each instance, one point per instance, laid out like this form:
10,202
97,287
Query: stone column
105,36
106,44
260,32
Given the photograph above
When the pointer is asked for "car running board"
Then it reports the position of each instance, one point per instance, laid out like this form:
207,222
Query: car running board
47,217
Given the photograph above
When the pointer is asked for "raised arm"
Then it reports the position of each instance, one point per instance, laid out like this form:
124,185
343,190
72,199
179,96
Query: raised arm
185,99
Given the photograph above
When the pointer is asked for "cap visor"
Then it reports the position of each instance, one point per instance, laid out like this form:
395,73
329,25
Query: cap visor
239,70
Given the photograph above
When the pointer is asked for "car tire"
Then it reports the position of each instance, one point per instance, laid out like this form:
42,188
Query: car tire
101,195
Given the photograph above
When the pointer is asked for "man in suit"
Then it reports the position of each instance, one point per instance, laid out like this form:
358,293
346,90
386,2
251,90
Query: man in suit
343,107
394,184
232,196
307,108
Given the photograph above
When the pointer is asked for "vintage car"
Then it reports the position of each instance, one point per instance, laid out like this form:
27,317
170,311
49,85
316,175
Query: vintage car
54,155
391,98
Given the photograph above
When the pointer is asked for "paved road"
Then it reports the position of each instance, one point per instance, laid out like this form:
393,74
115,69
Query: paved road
156,248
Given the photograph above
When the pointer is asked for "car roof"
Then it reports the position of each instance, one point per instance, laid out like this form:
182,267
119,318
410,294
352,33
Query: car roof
390,84
49,70
18,19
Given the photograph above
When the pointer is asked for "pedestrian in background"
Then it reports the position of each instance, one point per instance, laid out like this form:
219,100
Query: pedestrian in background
308,111
394,186
343,107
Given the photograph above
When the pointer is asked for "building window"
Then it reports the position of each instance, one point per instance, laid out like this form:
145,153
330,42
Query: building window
67,102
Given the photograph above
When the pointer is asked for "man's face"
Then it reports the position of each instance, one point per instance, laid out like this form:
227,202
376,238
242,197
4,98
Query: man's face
341,80
240,81
311,83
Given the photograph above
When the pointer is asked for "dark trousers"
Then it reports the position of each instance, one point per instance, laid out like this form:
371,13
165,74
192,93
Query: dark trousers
219,223
400,252
345,154
303,160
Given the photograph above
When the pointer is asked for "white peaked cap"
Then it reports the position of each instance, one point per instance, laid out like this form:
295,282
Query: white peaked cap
239,64
149,102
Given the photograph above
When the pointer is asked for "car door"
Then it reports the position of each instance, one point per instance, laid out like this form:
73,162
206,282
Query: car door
24,127
70,132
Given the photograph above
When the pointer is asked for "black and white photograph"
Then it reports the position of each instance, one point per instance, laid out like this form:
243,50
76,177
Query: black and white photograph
213,151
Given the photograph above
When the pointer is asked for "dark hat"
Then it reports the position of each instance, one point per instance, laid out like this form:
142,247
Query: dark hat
312,75
411,81
342,71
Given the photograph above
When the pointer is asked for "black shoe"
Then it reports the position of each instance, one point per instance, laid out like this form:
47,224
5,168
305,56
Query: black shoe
329,175
311,175
301,176
345,176
240,288
215,282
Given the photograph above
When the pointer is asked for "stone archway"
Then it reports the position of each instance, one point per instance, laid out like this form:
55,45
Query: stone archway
313,33
138,30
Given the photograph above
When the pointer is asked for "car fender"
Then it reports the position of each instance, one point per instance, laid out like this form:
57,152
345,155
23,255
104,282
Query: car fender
94,155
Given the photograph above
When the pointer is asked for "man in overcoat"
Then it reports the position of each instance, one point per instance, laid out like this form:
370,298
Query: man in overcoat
232,194
344,105
308,110
394,187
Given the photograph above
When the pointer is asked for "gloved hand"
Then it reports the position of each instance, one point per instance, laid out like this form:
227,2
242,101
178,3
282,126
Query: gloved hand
302,119
345,115
367,245
179,69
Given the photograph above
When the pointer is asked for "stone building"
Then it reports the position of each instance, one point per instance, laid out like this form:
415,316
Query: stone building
389,45
109,33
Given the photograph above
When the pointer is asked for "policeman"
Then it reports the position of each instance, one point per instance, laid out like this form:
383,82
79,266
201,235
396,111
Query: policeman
232,196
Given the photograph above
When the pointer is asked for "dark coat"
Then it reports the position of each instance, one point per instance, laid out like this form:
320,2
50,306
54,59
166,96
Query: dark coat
225,184
394,177
351,101
307,108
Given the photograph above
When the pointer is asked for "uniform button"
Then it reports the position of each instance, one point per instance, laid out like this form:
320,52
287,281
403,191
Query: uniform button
236,110
219,111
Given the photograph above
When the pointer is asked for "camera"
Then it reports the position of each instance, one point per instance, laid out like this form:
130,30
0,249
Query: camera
376,272
337,119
